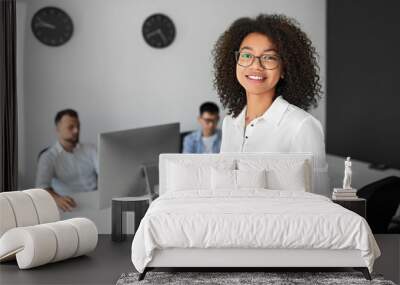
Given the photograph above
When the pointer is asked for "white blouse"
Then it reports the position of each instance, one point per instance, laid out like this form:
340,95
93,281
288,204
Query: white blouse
282,128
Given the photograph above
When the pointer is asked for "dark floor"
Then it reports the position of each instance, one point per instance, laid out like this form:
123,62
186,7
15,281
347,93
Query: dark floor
111,259
103,266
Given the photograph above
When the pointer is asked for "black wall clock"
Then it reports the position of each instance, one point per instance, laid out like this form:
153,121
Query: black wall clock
158,31
52,26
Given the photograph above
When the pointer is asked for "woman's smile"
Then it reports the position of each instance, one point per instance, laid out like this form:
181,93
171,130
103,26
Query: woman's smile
255,78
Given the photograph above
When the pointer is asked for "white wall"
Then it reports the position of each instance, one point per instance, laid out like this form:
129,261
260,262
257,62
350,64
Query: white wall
116,81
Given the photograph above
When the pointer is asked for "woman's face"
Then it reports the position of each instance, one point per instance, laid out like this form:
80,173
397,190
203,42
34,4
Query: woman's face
258,78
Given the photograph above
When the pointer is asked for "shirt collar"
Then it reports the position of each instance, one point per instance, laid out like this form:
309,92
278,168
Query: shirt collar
59,147
273,114
199,134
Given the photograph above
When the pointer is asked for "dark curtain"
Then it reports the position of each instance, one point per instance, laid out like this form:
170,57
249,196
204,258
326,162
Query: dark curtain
8,97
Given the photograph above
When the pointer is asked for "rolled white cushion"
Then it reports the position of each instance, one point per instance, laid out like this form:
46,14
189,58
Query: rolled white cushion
87,234
7,218
33,246
23,208
46,207
67,240
37,245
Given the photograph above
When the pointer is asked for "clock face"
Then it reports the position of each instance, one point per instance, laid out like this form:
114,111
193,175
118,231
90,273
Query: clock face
52,26
158,31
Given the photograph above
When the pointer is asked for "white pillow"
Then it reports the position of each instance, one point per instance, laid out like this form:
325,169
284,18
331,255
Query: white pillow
193,174
227,179
282,174
223,179
288,179
251,178
188,177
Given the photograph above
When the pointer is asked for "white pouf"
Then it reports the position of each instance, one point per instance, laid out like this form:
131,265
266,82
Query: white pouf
31,233
37,245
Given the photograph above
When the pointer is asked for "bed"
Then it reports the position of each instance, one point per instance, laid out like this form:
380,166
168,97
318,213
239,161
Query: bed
247,210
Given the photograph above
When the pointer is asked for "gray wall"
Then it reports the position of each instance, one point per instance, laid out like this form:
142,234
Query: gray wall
115,81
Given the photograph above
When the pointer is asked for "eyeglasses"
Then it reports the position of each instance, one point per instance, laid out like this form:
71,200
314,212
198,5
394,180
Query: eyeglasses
210,121
267,61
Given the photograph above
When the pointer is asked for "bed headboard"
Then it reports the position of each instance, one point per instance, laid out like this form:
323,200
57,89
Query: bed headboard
165,158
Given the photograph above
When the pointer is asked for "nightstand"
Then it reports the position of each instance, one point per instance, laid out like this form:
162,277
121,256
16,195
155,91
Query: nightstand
357,205
137,204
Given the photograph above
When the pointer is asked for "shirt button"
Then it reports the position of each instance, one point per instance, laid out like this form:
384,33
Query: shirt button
247,137
252,125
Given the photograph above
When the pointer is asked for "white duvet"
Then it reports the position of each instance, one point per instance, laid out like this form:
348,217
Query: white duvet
252,218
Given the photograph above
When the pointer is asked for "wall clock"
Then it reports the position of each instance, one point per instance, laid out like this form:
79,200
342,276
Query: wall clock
52,26
158,31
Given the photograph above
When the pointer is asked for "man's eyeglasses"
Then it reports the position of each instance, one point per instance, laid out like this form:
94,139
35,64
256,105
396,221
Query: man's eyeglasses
210,121
267,61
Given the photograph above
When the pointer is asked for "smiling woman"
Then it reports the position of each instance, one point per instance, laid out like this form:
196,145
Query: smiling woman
266,75
281,37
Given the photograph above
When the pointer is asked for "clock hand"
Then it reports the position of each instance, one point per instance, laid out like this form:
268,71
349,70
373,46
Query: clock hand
164,39
44,24
47,25
149,35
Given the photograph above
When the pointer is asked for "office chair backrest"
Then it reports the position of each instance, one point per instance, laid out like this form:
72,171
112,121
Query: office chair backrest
183,135
41,152
150,172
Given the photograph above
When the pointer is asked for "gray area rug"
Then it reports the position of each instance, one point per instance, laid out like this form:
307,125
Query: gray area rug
230,278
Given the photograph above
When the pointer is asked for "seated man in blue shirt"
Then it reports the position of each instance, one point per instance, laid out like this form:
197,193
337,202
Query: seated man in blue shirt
68,166
208,138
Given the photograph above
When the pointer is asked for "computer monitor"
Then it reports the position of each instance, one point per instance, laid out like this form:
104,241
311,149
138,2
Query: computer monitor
122,153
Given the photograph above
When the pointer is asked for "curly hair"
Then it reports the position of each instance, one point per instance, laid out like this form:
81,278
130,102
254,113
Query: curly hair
300,86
